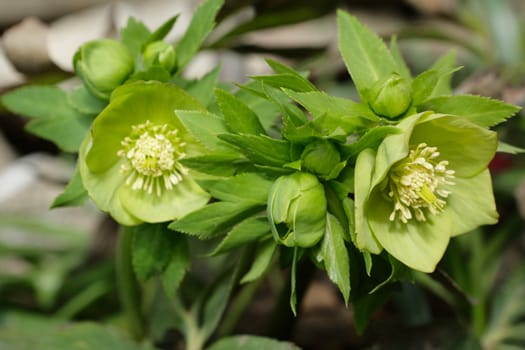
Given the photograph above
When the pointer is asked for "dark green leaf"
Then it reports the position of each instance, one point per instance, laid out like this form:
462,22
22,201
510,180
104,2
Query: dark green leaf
261,149
214,218
247,187
219,164
201,24
212,303
177,267
507,148
371,139
245,232
152,249
74,194
366,56
134,35
480,110
263,257
238,117
251,342
335,256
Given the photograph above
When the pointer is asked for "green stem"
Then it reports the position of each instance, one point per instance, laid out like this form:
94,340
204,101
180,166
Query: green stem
127,284
282,319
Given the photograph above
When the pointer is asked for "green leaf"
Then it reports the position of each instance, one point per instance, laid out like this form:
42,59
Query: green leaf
201,24
480,110
403,69
247,187
134,35
245,232
366,56
286,80
238,117
371,139
507,148
75,336
218,164
263,258
444,63
202,89
424,84
55,118
251,342
265,109
152,249
335,256
261,149
214,218
205,127
319,103
37,101
212,303
82,100
74,194
161,32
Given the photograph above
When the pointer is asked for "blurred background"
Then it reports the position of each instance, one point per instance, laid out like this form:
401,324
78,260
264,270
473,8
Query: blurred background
58,263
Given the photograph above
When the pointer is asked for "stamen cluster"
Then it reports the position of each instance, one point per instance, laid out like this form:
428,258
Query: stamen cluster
152,153
417,183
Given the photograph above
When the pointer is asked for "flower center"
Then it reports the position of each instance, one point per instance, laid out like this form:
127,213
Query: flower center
152,153
416,183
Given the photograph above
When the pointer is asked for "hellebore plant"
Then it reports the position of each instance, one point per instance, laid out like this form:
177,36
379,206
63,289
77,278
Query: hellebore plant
367,191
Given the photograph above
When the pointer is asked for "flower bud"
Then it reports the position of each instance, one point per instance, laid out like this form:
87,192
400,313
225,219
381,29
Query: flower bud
297,210
321,157
103,65
160,53
391,97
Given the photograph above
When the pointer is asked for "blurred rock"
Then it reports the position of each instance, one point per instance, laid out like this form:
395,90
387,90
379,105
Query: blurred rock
69,32
434,7
29,185
7,154
14,11
25,46
9,76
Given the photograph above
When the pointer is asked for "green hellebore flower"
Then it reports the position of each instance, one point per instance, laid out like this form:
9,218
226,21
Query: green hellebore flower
297,210
391,97
423,186
103,65
160,53
129,163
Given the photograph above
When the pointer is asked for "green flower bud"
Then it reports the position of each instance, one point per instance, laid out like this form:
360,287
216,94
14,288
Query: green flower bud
103,65
297,210
160,53
391,97
321,157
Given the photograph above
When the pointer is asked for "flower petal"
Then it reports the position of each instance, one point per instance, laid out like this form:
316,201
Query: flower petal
472,203
419,245
467,147
101,188
363,178
172,204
